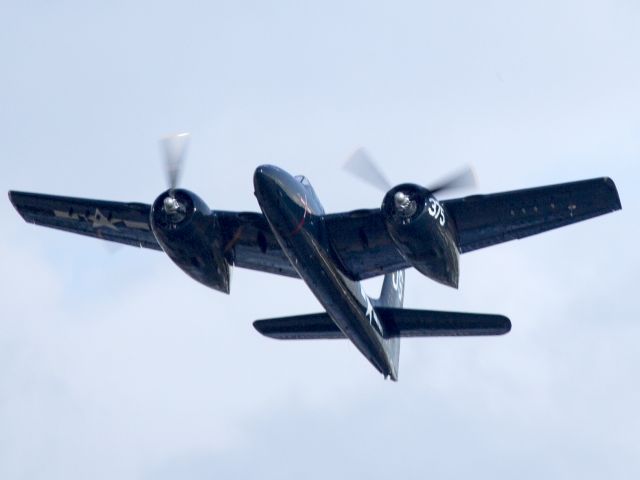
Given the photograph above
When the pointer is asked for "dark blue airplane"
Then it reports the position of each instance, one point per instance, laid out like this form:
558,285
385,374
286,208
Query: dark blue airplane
332,253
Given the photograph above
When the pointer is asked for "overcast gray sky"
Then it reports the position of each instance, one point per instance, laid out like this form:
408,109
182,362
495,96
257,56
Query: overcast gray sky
117,365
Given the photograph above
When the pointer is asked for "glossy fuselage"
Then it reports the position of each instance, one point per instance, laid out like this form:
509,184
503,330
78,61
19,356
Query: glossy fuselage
295,216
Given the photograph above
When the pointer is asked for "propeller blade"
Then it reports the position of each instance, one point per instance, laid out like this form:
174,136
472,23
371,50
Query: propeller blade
463,178
362,166
175,148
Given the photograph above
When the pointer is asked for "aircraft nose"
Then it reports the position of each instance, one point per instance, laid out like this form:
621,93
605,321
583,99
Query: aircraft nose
266,179
264,173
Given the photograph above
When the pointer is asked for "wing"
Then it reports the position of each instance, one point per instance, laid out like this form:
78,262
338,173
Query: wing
120,222
361,244
359,240
249,242
363,248
485,220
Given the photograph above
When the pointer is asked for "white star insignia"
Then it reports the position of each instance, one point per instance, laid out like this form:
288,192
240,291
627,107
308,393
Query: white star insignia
99,220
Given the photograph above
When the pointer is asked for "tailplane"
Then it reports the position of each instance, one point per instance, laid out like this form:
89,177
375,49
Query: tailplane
397,322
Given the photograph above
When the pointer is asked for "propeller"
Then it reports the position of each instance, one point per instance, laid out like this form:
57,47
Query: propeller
462,178
361,164
174,148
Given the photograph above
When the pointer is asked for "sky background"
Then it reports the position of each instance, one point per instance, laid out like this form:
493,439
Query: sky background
114,364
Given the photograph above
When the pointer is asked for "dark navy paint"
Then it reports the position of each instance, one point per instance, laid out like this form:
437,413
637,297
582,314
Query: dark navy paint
294,214
332,252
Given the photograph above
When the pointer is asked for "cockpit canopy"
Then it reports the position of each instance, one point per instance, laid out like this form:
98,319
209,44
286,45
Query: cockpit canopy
303,180
312,197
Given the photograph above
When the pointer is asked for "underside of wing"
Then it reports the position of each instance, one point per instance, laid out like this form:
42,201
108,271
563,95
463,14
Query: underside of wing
126,223
361,244
249,243
358,240
485,220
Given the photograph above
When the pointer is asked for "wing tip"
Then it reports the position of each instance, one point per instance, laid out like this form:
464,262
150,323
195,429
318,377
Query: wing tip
14,197
616,204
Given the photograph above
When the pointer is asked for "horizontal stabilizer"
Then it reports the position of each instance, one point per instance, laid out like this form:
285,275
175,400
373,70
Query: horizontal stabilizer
432,323
299,327
396,322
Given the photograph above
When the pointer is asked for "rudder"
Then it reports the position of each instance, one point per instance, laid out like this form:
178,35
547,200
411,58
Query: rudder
392,293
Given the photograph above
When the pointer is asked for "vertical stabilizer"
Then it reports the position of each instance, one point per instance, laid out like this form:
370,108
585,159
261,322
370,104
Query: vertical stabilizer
392,295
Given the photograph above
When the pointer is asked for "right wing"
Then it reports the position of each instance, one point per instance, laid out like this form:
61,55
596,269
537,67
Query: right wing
120,222
485,220
249,242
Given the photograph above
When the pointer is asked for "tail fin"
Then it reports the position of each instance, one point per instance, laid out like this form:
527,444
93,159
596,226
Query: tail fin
392,294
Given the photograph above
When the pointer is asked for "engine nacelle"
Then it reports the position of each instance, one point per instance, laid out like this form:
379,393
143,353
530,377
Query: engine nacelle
424,236
189,233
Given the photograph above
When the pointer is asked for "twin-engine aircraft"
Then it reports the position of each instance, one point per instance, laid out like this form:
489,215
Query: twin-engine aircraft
332,253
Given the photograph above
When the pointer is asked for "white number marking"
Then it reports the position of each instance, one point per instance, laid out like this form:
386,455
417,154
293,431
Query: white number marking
397,280
436,210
